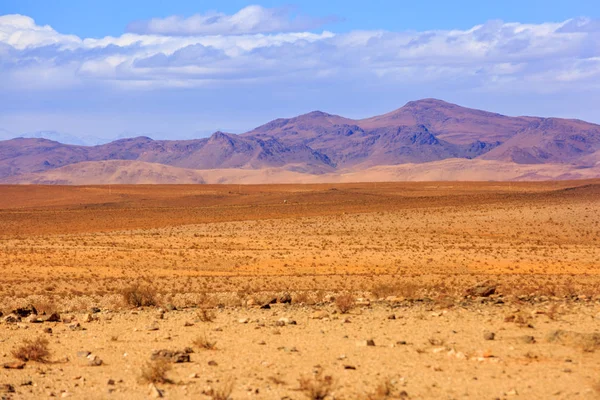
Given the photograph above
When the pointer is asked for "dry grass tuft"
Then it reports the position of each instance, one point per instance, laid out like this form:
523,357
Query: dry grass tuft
222,391
156,371
345,303
206,315
33,350
204,343
139,296
317,387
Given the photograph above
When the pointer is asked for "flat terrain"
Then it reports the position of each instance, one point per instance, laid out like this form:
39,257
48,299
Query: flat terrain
407,249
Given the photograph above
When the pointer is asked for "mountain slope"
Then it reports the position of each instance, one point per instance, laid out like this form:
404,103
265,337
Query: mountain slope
422,132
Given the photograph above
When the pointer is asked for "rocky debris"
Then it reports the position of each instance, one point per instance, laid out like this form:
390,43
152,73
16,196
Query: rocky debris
365,343
482,289
285,298
34,319
25,312
489,335
588,342
94,361
12,319
285,321
527,339
54,317
172,356
319,314
7,388
152,327
14,365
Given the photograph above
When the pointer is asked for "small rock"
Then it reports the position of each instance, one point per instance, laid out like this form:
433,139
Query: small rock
352,367
14,365
110,382
12,319
482,289
266,306
94,361
54,317
187,323
48,330
25,311
76,326
320,314
243,320
212,363
7,388
152,327
83,354
489,335
155,392
285,298
88,318
391,316
527,339
172,356
365,343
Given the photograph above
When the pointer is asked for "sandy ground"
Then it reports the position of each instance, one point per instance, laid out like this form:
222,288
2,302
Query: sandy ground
407,250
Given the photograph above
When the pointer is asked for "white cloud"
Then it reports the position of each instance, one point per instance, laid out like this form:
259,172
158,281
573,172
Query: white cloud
249,20
219,49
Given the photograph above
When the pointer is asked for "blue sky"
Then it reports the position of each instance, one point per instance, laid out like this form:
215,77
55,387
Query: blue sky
187,68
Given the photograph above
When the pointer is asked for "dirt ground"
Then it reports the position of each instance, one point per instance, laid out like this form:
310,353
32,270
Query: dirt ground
134,269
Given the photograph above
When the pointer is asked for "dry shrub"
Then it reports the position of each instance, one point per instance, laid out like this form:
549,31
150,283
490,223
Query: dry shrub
345,303
317,387
222,391
205,315
385,390
139,296
156,371
204,343
33,350
301,298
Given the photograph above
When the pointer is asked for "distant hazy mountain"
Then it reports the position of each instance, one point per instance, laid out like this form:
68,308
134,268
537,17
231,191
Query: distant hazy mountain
422,132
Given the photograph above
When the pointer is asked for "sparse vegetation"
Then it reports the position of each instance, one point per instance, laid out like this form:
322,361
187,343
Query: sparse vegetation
204,343
156,371
138,295
345,302
33,350
316,387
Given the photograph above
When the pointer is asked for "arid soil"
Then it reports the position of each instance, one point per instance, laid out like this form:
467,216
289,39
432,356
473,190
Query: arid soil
290,283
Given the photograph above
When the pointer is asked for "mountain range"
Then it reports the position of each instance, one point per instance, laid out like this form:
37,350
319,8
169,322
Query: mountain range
424,140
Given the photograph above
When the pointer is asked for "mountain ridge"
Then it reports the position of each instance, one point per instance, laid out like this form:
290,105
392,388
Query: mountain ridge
319,143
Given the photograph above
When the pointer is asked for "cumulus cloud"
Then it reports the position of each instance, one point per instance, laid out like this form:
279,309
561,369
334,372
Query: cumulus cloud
251,19
258,45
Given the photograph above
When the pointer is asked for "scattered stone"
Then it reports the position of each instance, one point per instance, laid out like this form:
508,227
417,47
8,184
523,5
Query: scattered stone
588,342
352,367
14,365
365,343
83,354
171,356
285,298
152,327
7,388
489,335
12,319
482,289
391,316
527,339
25,311
319,314
94,361
155,392
54,317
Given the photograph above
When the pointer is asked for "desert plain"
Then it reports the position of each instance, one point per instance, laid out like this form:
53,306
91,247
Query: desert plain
436,290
